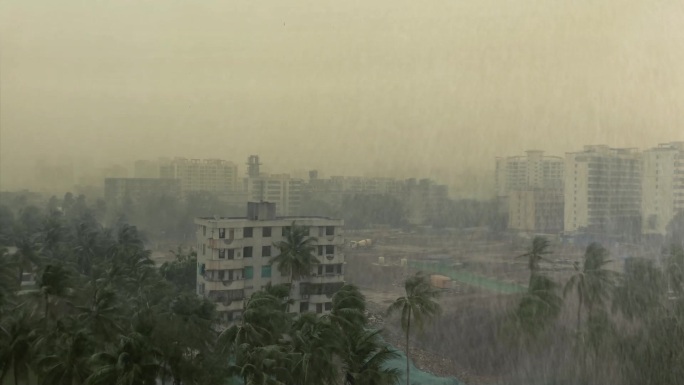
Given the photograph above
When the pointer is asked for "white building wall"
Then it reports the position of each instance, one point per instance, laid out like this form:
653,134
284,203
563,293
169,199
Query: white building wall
662,186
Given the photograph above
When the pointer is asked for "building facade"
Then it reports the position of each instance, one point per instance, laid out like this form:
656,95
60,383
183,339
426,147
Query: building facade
116,190
285,192
662,186
534,170
603,191
536,211
211,175
234,254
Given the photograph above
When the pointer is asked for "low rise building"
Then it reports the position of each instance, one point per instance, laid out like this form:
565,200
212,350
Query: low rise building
234,259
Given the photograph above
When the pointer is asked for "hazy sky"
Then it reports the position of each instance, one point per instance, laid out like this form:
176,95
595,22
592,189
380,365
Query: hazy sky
409,86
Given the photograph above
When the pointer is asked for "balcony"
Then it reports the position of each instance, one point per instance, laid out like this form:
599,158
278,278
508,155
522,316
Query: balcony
327,278
216,284
237,304
223,264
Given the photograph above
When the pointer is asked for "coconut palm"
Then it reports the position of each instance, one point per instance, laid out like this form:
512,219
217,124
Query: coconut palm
27,256
418,304
8,283
313,343
364,357
640,290
535,255
348,308
592,281
54,281
68,363
296,255
16,340
132,362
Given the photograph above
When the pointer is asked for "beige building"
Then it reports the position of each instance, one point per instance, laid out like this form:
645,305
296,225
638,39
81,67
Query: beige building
662,186
233,256
210,175
280,189
603,191
537,211
534,170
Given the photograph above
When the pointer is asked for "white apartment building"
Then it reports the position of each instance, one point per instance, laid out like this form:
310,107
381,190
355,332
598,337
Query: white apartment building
602,190
233,256
280,189
537,211
534,170
211,175
662,186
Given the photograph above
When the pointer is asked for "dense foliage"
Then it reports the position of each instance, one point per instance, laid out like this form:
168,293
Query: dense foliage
85,304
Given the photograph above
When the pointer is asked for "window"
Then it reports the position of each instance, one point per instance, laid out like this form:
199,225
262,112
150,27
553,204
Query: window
222,253
247,232
231,253
221,275
266,232
329,249
266,271
328,306
204,230
286,230
303,307
249,272
330,230
265,251
204,249
320,250
329,269
320,269
319,308
222,233
247,252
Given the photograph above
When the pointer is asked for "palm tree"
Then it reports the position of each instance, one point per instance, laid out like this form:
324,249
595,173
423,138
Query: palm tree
592,281
8,285
418,304
348,308
53,281
313,344
16,340
364,358
68,363
535,255
26,256
133,362
296,253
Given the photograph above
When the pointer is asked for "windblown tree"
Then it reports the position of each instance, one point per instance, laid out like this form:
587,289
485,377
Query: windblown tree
296,257
418,304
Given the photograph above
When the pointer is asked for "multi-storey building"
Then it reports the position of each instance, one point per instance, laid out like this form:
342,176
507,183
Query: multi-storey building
536,211
280,189
210,175
662,186
603,191
116,190
146,169
234,259
531,171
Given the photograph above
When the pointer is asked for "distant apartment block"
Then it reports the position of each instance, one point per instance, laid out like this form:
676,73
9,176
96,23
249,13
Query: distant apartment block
603,191
534,170
536,211
280,189
233,257
117,190
210,175
662,186
146,169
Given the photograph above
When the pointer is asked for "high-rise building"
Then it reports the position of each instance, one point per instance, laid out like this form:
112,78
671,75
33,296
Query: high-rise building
280,189
603,191
234,259
531,171
116,190
210,175
662,186
536,211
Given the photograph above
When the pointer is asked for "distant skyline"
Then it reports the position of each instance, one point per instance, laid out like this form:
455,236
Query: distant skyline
403,87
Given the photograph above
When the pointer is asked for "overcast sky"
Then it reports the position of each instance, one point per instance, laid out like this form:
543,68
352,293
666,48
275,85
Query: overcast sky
406,87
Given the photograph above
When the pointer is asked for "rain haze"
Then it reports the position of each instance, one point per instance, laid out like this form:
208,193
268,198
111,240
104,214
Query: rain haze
352,88
374,192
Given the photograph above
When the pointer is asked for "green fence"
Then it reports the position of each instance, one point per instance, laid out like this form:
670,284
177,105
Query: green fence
445,268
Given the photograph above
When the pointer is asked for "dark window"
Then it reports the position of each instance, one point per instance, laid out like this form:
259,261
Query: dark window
329,269
265,251
247,252
330,230
221,274
320,269
248,232
222,253
266,271
303,307
231,253
328,306
222,233
204,249
204,230
249,272
266,232
320,250
319,308
329,249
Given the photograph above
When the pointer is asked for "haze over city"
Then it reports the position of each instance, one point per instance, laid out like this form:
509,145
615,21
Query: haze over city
399,88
